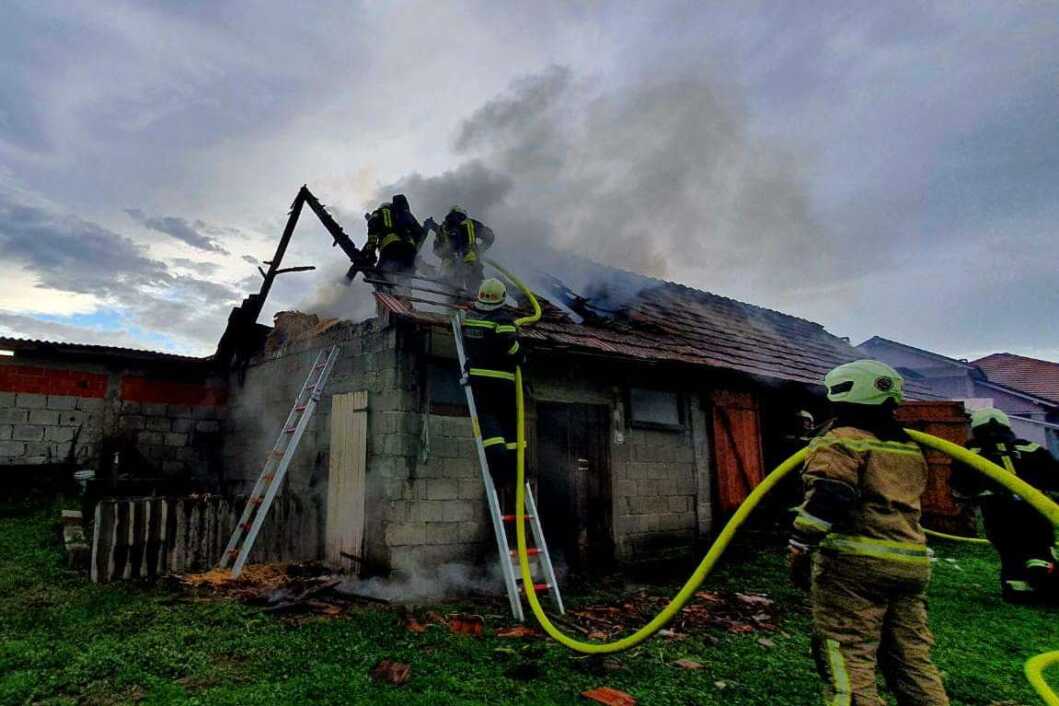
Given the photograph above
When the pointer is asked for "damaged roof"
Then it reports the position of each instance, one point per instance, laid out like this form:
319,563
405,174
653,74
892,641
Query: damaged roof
1033,376
654,321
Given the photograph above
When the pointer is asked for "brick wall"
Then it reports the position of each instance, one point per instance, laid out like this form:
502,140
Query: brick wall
54,410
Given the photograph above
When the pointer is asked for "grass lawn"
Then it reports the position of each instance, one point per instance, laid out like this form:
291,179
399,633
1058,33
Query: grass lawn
64,640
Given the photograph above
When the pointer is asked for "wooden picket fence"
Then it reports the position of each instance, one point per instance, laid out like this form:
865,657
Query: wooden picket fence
154,536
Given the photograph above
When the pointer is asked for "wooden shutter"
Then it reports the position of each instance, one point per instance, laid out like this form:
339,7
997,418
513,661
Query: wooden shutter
736,447
345,489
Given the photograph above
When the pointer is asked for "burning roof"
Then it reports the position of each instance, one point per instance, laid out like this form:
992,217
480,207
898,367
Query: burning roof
631,316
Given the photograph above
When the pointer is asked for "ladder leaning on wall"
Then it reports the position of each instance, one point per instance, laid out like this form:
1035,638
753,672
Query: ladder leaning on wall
268,483
503,521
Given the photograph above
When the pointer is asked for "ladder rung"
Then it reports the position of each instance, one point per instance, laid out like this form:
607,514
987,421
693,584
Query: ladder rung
300,407
278,453
511,518
246,526
257,501
537,587
290,430
530,551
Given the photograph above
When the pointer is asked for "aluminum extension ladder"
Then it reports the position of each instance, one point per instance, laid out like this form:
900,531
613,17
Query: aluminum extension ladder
277,462
509,564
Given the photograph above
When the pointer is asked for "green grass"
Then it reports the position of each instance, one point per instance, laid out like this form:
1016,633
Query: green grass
64,640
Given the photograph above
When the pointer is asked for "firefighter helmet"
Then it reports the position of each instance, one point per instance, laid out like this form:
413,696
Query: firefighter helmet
867,382
491,295
981,417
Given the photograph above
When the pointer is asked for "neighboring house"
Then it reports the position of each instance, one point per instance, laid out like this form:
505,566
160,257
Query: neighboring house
1026,388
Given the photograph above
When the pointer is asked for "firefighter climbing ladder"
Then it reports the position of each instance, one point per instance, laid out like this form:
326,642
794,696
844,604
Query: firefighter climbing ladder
277,462
508,556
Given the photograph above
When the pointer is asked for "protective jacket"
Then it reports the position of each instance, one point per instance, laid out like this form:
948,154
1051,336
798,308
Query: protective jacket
493,351
463,241
395,233
1024,539
863,497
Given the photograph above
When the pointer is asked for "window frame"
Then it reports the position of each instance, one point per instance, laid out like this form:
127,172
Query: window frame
633,423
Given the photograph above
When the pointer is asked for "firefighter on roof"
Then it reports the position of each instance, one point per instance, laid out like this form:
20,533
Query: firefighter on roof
1024,539
394,236
858,545
493,351
459,243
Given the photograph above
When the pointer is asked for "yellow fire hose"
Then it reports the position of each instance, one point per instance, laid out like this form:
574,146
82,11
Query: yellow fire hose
1034,667
955,537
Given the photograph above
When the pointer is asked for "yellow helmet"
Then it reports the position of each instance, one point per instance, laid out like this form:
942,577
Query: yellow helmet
491,295
867,382
980,417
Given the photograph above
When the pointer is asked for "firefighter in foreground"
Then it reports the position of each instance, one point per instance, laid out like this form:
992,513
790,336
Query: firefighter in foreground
459,243
859,547
492,348
1024,539
394,237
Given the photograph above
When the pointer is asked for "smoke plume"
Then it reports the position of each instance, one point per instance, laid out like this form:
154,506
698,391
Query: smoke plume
661,178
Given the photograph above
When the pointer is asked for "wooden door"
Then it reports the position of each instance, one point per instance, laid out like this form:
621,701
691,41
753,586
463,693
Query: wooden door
736,447
345,488
573,475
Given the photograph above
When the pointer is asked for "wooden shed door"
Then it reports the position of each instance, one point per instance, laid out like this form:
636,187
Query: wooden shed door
573,475
345,488
736,447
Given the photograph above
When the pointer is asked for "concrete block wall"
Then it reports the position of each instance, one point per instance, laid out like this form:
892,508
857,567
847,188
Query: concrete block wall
655,493
39,428
55,410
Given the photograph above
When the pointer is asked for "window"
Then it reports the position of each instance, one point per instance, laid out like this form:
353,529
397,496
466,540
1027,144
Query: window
446,394
658,409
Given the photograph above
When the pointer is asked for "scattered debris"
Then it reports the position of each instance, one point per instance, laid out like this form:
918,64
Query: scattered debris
391,672
688,664
518,631
766,643
464,624
609,697
281,588
733,613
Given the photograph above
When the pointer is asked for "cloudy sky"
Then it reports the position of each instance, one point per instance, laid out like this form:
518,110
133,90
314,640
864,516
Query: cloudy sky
882,168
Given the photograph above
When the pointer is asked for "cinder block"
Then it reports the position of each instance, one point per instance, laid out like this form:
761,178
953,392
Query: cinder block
183,425
204,412
13,416
150,438
61,434
7,399
443,489
73,418
429,510
27,432
5,431
173,468
679,503
471,489
178,410
12,448
62,402
44,417
208,426
442,533
29,401
91,404
155,409
176,439
625,488
158,423
457,510
132,422
405,533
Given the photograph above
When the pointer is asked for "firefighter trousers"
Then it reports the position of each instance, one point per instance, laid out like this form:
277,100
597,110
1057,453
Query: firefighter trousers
868,612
